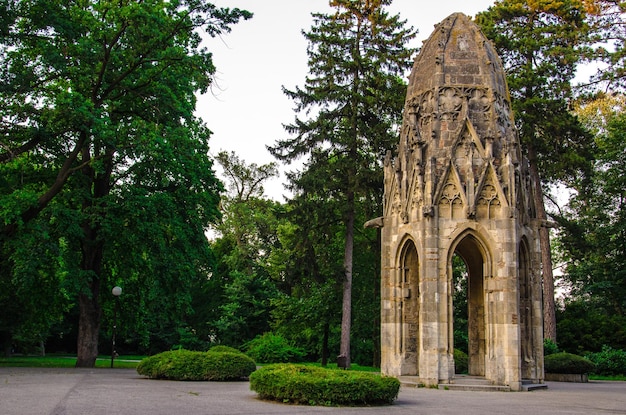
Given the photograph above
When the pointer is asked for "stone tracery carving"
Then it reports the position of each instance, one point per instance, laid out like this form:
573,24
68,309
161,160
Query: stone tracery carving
450,202
479,107
450,103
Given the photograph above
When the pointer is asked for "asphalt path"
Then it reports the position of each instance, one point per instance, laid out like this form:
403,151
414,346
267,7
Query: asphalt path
43,391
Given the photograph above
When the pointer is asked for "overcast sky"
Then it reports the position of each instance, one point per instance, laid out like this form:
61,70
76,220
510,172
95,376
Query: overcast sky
246,108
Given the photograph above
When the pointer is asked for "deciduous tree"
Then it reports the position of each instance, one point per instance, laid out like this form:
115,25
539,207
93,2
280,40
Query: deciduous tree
98,98
593,238
246,237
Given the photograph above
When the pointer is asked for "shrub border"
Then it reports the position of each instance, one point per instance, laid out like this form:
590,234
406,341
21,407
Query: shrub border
310,385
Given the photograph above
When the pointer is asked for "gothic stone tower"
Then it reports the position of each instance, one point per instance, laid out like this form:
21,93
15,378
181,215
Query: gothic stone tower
457,185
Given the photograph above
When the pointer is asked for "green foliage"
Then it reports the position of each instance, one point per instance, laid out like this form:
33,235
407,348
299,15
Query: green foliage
609,361
593,237
540,44
549,347
461,361
272,348
34,293
188,340
459,281
606,51
592,240
309,385
245,312
305,318
245,180
247,236
195,366
586,324
567,363
221,348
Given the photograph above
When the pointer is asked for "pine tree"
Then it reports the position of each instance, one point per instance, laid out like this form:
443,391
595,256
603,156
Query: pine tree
355,93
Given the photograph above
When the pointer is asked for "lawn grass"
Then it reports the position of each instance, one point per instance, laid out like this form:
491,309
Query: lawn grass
128,362
614,377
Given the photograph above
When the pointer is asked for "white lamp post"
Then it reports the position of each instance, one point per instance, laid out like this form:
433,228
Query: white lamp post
116,291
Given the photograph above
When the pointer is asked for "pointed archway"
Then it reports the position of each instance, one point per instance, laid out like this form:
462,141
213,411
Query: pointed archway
476,258
409,308
525,312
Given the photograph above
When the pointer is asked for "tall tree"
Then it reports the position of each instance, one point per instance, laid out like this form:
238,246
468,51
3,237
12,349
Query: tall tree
593,237
247,236
96,93
356,58
539,43
248,215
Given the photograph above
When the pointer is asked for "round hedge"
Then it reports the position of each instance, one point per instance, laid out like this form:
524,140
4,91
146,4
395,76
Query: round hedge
221,348
567,363
309,385
191,365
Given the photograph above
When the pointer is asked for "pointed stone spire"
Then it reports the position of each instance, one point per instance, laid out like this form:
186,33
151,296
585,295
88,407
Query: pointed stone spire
456,185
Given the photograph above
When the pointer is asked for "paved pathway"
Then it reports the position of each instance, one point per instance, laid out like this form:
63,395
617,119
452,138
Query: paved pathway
40,391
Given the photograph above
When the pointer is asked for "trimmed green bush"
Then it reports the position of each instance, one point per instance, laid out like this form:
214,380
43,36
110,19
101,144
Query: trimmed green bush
460,361
271,348
311,385
192,365
221,348
609,361
567,363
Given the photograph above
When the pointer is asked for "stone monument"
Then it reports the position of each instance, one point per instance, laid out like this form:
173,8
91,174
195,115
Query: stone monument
457,184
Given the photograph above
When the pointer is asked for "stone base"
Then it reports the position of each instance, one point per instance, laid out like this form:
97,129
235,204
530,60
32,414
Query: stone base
562,377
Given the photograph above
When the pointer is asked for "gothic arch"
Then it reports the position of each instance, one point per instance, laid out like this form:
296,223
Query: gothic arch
477,257
526,316
409,306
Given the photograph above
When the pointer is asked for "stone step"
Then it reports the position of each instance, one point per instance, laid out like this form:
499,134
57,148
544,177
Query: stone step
410,381
474,387
528,385
470,380
471,383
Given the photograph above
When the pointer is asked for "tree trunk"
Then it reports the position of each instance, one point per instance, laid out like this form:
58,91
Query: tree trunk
325,343
89,302
549,309
88,330
91,265
346,316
